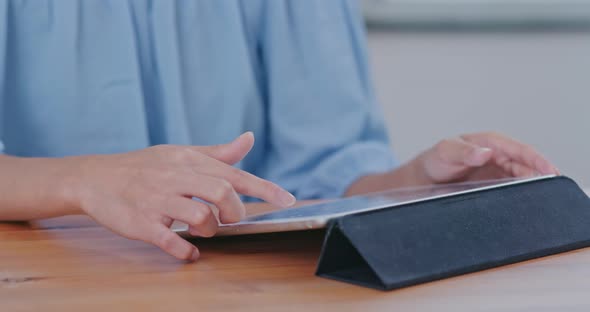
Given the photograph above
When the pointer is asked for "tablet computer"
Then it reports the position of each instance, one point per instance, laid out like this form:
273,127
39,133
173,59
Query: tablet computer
317,215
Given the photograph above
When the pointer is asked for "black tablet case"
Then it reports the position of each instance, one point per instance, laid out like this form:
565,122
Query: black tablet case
401,246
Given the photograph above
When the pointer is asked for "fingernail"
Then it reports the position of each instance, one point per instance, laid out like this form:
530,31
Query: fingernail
482,150
243,135
287,199
195,255
479,156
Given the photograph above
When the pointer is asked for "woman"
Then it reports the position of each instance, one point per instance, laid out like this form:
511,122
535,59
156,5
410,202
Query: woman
111,109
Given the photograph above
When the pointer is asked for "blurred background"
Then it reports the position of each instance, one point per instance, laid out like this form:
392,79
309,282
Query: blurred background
520,67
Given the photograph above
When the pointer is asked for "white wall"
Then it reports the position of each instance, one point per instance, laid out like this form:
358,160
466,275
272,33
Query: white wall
532,86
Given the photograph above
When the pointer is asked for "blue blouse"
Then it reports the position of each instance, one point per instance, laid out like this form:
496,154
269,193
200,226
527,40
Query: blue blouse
110,76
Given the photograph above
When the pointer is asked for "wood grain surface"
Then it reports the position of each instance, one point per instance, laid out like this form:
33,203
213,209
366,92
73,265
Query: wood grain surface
70,263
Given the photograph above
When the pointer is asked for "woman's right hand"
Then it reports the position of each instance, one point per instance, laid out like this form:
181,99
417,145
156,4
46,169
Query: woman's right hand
139,194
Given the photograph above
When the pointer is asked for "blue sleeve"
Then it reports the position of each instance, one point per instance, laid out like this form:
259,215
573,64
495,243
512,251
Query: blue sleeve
325,128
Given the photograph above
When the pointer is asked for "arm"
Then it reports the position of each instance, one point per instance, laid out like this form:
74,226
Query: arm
34,188
139,194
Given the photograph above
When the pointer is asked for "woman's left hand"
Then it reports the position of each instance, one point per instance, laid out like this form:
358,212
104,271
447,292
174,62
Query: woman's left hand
478,156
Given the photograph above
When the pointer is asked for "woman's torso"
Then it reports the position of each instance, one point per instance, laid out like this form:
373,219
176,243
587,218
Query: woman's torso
107,76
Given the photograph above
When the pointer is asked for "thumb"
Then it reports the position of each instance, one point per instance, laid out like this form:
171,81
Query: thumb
232,152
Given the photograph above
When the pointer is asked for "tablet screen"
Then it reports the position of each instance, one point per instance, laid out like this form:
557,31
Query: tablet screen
317,215
344,206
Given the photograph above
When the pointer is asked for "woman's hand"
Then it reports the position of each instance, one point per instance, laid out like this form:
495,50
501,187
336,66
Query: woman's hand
139,194
469,157
479,156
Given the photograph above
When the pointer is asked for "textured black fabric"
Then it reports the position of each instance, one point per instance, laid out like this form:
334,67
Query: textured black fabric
416,243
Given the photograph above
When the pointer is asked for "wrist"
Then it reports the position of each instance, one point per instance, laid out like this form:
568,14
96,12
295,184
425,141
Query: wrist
65,188
36,188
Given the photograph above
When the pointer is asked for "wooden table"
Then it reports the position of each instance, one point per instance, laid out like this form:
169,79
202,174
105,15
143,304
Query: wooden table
71,263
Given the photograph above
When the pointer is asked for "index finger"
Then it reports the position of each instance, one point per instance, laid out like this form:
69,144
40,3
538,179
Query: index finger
248,184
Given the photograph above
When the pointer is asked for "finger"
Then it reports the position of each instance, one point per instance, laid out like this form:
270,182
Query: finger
199,231
217,165
248,184
173,244
460,152
519,152
488,173
521,171
216,191
229,153
513,168
453,159
197,215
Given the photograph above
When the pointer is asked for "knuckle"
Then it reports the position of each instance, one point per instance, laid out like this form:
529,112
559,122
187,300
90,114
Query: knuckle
203,231
186,254
240,178
202,215
441,145
223,190
163,148
208,232
195,230
165,240
182,154
175,153
239,175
